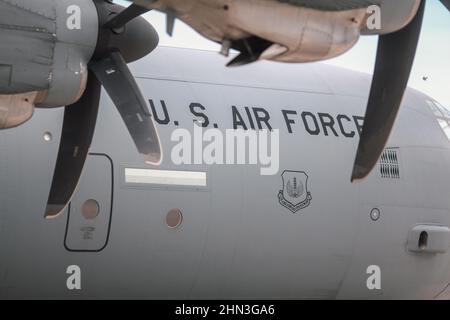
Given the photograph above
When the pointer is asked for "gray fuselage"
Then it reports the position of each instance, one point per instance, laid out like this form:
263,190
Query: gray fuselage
237,239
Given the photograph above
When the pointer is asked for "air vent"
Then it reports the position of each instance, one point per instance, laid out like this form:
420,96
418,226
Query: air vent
389,164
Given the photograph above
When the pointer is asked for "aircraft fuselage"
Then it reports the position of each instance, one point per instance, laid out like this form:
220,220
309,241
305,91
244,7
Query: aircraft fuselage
223,230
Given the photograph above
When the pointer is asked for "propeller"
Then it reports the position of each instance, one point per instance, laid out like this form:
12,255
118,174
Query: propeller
250,50
123,38
120,20
395,57
446,3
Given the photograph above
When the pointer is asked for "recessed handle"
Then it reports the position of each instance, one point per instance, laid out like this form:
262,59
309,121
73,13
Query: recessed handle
428,239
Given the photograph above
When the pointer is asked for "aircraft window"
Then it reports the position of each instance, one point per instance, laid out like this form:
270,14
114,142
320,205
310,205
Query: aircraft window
90,209
444,110
442,115
435,109
445,127
165,177
439,110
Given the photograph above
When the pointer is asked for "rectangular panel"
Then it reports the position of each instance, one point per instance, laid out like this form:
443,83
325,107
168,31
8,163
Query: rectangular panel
165,177
89,214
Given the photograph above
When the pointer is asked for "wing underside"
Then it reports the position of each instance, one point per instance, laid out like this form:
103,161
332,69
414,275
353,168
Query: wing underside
325,5
333,5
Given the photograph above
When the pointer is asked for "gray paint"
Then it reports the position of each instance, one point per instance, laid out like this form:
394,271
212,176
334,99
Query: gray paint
236,240
38,51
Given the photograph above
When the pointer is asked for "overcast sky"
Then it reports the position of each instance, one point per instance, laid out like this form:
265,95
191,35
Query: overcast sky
432,60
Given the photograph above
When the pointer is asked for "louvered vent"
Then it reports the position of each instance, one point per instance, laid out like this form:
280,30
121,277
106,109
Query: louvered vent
389,164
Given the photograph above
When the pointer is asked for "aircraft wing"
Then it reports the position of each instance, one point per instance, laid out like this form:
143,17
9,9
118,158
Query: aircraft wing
333,5
325,5
283,30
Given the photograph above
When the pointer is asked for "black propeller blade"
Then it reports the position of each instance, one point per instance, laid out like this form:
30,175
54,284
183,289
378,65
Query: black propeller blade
446,3
77,132
395,57
250,50
121,19
118,81
121,40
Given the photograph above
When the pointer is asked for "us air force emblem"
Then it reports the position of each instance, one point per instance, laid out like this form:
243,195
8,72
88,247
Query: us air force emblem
295,195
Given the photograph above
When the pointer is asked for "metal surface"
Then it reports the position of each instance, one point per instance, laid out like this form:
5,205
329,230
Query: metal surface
236,239
76,137
118,81
395,56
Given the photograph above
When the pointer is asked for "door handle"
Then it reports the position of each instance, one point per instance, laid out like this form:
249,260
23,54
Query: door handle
428,239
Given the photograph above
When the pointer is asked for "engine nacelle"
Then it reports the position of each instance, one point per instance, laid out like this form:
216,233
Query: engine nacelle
300,34
16,109
393,15
44,48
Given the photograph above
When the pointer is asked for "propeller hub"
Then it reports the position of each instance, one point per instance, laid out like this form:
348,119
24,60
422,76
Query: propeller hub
135,40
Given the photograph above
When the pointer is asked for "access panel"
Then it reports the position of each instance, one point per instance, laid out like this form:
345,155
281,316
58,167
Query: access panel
90,211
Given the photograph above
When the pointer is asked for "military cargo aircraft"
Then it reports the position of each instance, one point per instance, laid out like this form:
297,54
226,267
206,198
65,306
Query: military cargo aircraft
90,189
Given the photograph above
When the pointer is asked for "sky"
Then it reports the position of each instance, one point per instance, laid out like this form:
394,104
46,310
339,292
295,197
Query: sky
432,59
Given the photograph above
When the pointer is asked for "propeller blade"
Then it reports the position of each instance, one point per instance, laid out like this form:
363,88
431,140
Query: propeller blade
170,22
395,57
250,49
119,20
242,59
118,81
77,132
446,3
